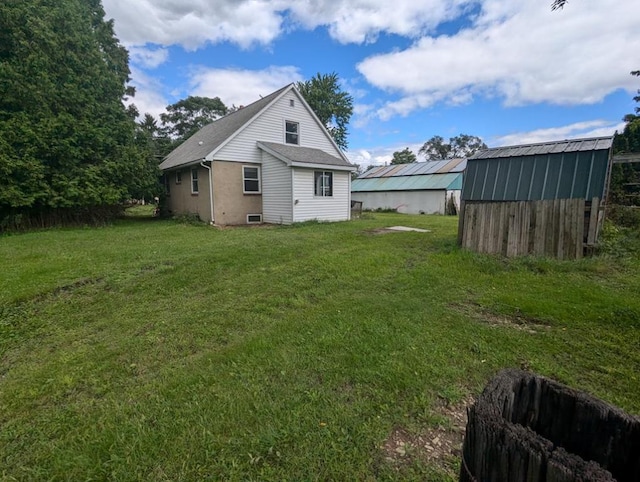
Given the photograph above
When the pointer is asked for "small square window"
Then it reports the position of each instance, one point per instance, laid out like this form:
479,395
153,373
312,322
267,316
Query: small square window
323,183
178,177
251,179
194,181
292,103
291,132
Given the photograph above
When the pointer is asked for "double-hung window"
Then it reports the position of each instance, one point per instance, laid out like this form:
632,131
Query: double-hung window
251,179
323,182
194,181
291,132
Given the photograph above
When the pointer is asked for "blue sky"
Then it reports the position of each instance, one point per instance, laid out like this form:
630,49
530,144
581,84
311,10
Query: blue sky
508,71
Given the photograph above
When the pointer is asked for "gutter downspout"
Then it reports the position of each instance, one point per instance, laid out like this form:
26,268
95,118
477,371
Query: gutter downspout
208,168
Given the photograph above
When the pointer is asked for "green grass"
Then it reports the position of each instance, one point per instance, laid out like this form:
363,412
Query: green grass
155,350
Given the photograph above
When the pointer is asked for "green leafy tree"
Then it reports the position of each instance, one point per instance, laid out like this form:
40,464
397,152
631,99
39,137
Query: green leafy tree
464,145
188,116
67,143
405,156
330,103
625,177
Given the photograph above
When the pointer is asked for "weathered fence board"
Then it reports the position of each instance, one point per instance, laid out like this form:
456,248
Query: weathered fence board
558,228
524,427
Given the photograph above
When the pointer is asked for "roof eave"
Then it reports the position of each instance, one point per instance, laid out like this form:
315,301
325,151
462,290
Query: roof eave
326,167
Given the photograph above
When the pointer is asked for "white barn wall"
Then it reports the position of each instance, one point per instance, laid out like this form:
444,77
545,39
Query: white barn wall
276,191
307,206
242,148
409,202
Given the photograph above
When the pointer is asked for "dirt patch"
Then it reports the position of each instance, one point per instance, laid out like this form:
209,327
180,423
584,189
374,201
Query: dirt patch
440,445
516,321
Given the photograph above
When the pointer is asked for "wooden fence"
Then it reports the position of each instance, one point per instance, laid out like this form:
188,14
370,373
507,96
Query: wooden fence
524,427
559,228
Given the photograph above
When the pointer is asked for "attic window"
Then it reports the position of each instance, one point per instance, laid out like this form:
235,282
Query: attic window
292,103
291,132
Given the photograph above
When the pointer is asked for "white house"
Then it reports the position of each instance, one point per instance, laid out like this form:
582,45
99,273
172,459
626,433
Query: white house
272,161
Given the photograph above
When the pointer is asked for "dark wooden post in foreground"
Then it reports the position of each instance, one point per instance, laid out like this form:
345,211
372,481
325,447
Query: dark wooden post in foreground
525,427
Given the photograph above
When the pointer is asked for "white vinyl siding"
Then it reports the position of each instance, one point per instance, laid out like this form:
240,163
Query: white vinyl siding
269,127
276,191
308,206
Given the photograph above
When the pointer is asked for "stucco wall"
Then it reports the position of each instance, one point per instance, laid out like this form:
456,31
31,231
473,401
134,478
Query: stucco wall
231,205
182,201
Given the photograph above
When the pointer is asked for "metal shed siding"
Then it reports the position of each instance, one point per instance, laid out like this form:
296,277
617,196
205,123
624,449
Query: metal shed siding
551,175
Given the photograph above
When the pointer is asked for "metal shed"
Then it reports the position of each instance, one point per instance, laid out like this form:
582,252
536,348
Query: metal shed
542,199
419,187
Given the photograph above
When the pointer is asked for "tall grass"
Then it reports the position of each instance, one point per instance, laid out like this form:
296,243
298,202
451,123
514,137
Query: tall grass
155,350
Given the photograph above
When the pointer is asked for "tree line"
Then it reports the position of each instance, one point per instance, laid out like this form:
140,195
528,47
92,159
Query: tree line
437,149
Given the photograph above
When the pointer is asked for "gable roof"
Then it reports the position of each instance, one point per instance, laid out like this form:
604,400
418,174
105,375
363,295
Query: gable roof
214,135
297,156
426,182
415,176
416,169
207,141
555,147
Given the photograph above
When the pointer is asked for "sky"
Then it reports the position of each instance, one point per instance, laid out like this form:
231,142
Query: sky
508,71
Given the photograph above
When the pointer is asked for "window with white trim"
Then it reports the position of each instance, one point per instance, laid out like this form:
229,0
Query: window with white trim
251,179
323,181
291,132
178,177
194,181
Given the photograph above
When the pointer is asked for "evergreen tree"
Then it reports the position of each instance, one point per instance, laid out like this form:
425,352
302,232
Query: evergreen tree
67,143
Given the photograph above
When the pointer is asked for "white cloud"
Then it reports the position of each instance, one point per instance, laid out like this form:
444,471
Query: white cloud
594,128
147,57
361,21
241,87
149,97
379,156
193,23
521,52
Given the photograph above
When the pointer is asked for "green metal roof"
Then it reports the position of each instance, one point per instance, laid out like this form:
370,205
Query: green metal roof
451,181
553,170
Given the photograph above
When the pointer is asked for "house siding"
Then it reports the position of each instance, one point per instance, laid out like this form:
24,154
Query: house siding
408,202
277,191
182,201
269,127
331,208
231,205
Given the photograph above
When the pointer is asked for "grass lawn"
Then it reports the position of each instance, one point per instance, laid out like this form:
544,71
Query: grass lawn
155,350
